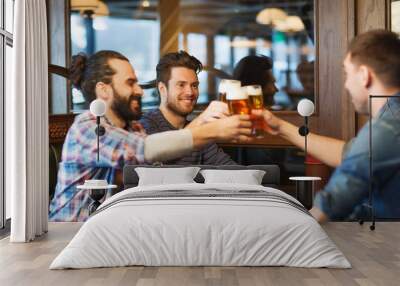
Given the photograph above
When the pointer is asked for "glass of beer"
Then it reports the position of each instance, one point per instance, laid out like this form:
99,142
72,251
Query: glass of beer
224,85
237,100
256,101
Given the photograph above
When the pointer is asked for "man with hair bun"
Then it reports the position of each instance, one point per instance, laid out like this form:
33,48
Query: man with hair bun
109,76
372,67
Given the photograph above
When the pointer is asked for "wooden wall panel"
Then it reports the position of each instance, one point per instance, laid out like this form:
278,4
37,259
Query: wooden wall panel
371,14
336,115
169,11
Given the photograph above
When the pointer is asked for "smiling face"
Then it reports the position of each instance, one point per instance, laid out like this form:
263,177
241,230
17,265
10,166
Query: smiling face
358,78
126,90
182,92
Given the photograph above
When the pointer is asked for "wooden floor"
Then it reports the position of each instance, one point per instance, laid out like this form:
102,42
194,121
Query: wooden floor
375,257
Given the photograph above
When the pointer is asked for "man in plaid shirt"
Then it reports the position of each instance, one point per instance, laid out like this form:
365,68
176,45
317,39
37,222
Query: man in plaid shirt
109,76
79,163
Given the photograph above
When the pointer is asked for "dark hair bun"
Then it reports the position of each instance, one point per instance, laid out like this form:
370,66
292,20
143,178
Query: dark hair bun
77,69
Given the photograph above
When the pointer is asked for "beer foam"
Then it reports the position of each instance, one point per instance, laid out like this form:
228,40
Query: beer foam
236,93
226,84
253,90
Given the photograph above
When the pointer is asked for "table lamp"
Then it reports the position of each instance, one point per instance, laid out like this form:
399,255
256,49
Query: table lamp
305,108
98,109
304,185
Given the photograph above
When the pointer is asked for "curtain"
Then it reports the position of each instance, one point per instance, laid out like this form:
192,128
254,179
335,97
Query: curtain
27,152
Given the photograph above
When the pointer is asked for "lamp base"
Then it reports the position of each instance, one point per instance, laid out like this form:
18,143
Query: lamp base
96,195
305,190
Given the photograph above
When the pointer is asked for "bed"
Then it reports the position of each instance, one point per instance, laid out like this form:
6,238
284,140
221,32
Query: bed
201,224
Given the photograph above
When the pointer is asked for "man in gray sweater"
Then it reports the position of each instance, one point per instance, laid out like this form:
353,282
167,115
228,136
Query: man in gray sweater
178,86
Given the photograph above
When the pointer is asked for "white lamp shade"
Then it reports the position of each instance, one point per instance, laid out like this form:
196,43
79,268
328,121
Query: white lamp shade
98,107
305,107
82,5
270,16
102,9
290,24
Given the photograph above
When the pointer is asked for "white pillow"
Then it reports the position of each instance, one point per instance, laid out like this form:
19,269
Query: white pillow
166,176
248,177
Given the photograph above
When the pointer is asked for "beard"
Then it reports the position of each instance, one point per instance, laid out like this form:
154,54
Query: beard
123,107
181,111
175,109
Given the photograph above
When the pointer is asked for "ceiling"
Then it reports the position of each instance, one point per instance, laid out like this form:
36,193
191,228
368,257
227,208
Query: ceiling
232,17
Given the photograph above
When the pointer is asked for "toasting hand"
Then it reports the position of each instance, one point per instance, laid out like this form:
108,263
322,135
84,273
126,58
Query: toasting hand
215,110
272,123
235,128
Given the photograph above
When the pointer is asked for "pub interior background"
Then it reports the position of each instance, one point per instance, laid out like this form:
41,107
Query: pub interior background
219,34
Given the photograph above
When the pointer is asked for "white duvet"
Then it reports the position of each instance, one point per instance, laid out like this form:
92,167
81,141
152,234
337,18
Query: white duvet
188,231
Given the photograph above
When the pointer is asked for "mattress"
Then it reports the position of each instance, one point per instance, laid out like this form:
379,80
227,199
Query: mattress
201,225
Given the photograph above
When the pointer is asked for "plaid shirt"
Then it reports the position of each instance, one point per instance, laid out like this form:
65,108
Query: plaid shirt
79,163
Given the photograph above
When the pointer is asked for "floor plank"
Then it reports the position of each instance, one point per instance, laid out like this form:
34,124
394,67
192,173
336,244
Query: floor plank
374,255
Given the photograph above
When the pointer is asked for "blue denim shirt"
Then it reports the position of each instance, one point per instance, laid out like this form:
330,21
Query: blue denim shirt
347,190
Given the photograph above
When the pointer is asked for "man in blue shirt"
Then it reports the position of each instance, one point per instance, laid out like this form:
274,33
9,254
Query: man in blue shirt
372,67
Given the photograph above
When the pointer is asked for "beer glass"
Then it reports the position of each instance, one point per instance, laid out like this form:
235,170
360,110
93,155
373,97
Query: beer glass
224,85
256,101
237,100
